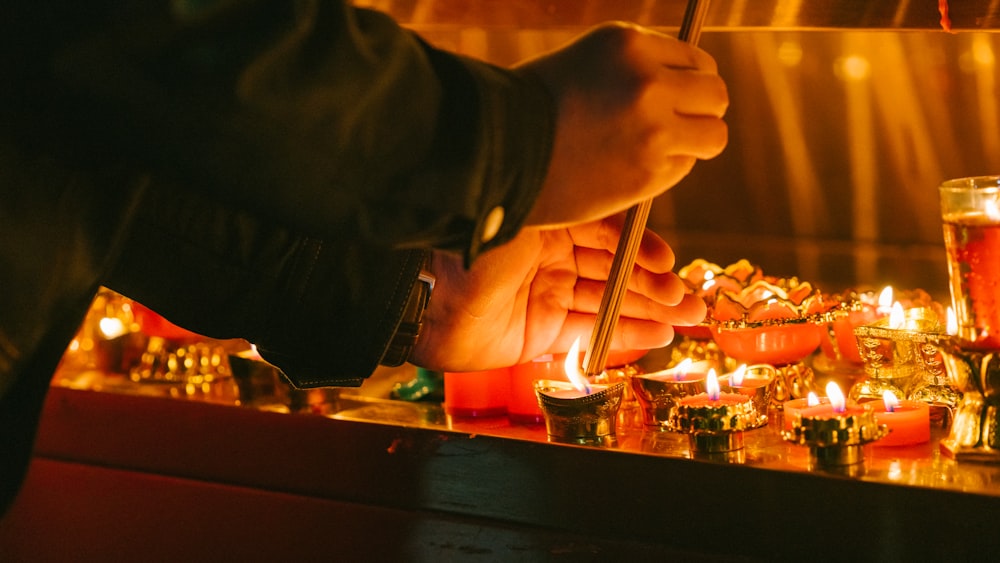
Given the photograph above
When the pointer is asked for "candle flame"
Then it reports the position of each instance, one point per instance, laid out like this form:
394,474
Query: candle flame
885,298
951,326
709,280
712,385
837,400
812,399
736,378
572,367
890,400
112,327
897,318
992,209
682,367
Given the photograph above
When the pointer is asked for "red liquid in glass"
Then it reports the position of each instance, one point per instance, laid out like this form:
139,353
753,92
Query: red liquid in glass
973,244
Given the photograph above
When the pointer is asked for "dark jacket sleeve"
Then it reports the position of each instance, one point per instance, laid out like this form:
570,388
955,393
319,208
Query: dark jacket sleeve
299,157
268,169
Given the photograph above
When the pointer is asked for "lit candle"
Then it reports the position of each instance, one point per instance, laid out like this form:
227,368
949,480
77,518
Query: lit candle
715,421
884,301
687,370
657,393
713,395
835,406
575,410
835,432
794,407
756,382
908,421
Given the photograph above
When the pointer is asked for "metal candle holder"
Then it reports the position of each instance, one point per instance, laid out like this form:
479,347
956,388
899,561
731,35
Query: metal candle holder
715,429
975,429
658,393
588,419
906,360
759,381
836,441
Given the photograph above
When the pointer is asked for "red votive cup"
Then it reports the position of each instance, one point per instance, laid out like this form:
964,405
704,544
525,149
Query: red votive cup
522,406
477,393
909,423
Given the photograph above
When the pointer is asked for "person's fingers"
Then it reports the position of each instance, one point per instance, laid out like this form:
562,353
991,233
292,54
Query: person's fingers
673,306
629,334
597,242
691,92
671,52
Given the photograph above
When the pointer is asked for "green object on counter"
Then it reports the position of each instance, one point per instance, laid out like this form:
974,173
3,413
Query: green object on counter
427,385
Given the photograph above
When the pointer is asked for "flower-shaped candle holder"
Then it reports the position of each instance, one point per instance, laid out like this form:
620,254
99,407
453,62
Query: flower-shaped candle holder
715,421
706,280
835,432
776,322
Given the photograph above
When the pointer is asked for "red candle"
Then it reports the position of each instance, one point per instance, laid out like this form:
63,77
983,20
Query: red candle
973,244
843,327
522,407
909,422
720,400
685,371
477,393
794,407
713,397
836,406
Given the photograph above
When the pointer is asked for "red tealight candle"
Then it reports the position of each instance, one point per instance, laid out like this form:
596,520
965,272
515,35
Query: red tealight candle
794,407
477,393
685,371
908,421
843,327
835,407
523,406
713,396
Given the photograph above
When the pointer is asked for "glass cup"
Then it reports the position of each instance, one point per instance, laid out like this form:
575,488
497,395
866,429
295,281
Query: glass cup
970,211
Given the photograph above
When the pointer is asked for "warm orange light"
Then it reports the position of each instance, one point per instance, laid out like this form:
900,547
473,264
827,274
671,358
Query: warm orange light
812,399
736,378
682,368
951,325
111,327
712,385
572,367
890,401
837,400
897,318
885,299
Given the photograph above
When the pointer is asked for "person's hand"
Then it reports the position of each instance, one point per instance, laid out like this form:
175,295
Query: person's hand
635,109
540,292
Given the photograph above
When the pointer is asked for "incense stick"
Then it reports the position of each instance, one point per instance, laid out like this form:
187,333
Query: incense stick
631,237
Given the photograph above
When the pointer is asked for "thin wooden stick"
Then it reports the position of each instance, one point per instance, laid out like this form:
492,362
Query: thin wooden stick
631,237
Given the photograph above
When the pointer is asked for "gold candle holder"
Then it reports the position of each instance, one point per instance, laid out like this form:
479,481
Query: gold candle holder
835,439
659,392
975,430
577,417
903,355
715,421
756,382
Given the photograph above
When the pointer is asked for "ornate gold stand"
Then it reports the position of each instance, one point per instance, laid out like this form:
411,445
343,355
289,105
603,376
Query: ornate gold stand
975,430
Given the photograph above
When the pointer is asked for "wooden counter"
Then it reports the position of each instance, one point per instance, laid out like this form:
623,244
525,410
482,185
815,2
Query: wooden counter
126,477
